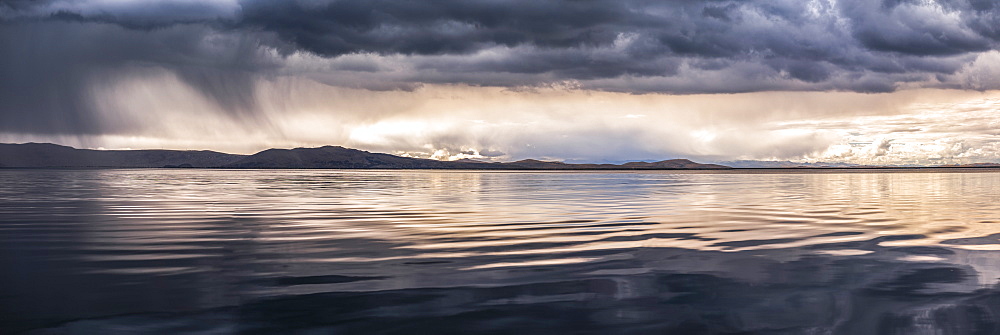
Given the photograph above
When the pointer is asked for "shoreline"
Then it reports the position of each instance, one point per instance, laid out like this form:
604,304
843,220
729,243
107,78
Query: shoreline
818,170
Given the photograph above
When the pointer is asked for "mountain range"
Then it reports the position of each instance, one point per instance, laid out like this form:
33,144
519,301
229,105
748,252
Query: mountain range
47,155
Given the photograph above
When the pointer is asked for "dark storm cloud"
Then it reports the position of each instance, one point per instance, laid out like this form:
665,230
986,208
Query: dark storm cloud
910,27
435,27
136,15
48,68
803,45
53,49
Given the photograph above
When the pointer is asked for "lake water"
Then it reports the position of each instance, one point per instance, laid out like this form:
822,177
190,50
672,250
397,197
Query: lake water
425,252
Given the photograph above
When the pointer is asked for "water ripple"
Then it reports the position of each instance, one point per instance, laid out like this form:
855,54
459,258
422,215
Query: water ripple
250,245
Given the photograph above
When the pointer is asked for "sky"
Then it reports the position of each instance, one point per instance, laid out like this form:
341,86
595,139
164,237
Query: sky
853,81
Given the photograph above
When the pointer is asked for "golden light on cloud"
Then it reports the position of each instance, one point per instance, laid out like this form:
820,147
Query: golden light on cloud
155,108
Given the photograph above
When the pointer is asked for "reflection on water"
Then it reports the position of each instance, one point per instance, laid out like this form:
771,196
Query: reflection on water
214,251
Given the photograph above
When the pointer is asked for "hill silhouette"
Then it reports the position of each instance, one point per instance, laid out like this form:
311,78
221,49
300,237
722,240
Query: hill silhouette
47,155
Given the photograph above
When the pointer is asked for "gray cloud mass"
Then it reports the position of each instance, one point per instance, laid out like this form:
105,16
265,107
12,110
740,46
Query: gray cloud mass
52,50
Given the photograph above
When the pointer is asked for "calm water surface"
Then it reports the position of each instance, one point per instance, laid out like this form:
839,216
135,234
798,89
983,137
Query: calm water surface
408,252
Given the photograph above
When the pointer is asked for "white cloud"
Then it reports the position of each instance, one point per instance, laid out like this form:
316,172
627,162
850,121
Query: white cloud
156,109
981,74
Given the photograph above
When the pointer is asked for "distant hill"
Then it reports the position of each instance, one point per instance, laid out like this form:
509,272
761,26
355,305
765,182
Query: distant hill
45,155
751,164
673,164
974,165
332,157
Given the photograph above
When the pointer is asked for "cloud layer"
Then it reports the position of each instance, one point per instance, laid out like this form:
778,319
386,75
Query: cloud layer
65,60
